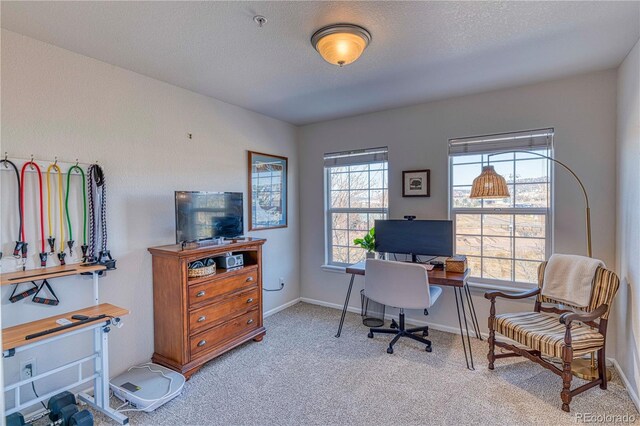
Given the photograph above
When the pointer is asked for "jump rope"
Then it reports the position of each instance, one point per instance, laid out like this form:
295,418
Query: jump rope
98,192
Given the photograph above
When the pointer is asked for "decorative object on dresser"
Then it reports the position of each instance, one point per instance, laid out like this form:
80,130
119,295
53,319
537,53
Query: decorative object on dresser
197,319
230,261
201,268
267,191
416,183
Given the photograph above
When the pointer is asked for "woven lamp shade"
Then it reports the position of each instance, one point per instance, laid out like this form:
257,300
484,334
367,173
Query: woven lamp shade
489,185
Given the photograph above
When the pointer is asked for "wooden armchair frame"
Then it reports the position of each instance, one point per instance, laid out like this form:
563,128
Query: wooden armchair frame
566,317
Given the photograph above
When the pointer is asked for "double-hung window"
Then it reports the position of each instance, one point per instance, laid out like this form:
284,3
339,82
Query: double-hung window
505,240
356,194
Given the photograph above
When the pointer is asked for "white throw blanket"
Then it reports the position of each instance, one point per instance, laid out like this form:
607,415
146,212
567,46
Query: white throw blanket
568,278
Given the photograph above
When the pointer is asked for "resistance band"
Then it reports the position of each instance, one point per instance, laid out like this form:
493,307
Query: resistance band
7,163
43,253
70,242
52,238
98,193
13,297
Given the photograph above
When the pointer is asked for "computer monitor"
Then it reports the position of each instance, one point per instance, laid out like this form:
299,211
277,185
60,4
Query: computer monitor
415,237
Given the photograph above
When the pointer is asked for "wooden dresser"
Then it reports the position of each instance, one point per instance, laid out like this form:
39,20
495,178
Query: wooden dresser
197,319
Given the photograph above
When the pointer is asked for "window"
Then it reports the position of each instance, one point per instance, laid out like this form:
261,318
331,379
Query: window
503,239
356,194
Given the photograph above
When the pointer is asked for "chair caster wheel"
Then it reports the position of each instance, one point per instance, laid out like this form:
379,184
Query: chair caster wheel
425,333
393,324
370,335
428,349
389,350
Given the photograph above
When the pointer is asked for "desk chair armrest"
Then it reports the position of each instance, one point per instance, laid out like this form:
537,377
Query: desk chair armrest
568,317
492,295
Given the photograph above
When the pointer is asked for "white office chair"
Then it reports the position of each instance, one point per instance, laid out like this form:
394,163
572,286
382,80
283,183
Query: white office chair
402,285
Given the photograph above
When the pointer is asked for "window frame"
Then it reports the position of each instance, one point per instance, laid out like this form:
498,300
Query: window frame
547,212
329,211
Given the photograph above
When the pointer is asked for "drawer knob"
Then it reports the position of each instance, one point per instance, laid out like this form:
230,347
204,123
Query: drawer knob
200,293
249,279
250,321
202,342
202,318
249,300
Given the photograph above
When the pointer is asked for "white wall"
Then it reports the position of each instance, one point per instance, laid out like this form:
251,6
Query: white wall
58,103
582,111
626,315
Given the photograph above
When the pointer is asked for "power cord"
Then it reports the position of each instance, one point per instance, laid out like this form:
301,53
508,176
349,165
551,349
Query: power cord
33,386
274,289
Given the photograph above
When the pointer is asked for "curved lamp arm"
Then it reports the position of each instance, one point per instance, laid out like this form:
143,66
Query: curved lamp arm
584,191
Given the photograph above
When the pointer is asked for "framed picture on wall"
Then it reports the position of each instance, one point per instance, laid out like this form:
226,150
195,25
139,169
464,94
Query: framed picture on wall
416,183
267,191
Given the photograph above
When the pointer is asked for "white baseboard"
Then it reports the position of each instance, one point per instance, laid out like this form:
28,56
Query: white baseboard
280,308
627,384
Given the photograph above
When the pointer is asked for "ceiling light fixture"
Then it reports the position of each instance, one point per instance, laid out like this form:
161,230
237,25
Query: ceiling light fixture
341,44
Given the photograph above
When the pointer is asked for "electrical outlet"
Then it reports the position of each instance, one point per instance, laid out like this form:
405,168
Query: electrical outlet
281,281
28,369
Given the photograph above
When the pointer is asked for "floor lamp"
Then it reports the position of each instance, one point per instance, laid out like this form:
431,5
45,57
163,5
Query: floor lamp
492,185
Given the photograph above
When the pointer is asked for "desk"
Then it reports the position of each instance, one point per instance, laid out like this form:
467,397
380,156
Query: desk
14,341
456,280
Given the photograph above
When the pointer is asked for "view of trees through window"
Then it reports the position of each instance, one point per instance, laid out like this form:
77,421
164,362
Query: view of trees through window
357,195
503,239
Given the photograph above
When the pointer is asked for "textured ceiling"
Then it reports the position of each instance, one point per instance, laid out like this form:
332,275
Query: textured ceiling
420,51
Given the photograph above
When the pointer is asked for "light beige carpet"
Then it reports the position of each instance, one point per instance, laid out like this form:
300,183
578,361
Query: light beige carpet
300,374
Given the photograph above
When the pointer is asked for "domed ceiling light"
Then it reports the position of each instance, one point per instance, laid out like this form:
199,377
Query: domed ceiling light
341,44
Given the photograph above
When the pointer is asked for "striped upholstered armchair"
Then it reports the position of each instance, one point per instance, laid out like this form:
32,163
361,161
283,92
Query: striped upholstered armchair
549,331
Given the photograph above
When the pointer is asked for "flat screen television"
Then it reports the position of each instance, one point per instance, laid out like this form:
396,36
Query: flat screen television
206,215
415,237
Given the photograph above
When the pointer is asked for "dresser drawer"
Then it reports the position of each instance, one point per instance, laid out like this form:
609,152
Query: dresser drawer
208,340
202,318
201,293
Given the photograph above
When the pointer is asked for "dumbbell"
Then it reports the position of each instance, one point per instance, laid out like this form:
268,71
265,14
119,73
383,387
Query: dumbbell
15,419
81,418
58,402
70,416
66,414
